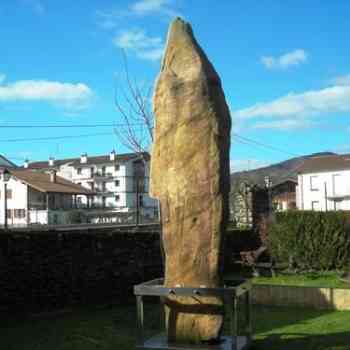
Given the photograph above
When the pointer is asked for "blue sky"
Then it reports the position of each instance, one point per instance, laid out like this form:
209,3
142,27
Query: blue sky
284,68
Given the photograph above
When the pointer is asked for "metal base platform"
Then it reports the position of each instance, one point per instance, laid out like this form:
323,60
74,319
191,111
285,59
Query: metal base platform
160,342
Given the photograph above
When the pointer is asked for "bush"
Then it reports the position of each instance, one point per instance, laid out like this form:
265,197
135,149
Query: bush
310,240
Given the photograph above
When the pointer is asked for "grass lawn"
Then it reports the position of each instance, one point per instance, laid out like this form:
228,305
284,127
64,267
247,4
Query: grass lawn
327,279
114,329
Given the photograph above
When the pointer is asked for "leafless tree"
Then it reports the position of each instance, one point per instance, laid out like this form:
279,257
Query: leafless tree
133,102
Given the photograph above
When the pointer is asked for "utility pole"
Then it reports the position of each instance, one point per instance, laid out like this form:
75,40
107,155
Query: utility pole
6,177
268,184
137,200
5,206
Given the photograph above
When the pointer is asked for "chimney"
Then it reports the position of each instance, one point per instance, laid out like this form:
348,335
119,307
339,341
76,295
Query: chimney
112,155
83,158
26,164
53,176
51,161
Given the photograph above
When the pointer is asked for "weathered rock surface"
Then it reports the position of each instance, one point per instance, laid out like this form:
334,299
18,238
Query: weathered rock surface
190,177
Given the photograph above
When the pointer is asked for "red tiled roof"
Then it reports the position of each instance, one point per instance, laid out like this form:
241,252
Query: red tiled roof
41,182
325,163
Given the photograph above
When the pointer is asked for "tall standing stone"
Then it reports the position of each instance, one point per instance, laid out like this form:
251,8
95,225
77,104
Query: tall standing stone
190,177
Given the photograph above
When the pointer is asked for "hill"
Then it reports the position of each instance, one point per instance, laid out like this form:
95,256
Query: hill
277,172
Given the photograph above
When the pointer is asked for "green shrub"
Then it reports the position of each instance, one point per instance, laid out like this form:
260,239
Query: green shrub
310,240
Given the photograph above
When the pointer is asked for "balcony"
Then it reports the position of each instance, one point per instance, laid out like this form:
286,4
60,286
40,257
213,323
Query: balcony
339,196
99,174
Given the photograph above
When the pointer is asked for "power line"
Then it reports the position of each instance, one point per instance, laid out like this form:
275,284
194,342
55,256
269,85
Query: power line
56,137
25,126
247,140
241,139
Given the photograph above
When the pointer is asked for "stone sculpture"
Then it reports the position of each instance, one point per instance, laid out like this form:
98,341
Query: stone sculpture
190,177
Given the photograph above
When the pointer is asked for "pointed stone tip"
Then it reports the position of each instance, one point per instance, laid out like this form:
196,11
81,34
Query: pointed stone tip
179,25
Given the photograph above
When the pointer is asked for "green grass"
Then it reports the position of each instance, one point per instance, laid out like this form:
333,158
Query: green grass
330,280
114,329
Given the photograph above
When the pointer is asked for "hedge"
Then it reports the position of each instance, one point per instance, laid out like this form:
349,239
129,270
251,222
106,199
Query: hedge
310,240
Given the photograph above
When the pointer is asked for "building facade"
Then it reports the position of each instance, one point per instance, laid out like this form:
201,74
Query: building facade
120,181
283,195
29,198
324,183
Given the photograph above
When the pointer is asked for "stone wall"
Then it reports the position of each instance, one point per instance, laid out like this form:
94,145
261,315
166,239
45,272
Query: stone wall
248,204
50,270
297,296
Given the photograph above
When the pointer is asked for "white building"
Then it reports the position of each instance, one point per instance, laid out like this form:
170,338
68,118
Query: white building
37,198
324,183
120,181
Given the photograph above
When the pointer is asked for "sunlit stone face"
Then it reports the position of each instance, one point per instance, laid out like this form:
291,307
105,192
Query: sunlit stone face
190,177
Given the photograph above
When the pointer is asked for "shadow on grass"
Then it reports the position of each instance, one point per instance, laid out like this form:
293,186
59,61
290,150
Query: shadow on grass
300,328
113,327
292,341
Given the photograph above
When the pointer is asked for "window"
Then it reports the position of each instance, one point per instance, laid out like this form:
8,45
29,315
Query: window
19,213
8,194
9,213
103,186
117,167
117,183
117,198
91,171
141,200
313,183
315,205
79,171
103,171
104,202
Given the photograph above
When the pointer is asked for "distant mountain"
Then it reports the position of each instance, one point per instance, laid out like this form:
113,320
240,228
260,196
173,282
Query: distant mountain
277,172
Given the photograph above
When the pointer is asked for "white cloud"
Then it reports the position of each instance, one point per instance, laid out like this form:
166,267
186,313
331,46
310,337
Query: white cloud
68,95
334,99
137,41
107,20
2,78
289,59
152,55
342,80
141,8
145,7
284,124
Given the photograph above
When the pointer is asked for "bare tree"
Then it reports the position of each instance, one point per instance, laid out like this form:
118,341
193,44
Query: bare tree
134,106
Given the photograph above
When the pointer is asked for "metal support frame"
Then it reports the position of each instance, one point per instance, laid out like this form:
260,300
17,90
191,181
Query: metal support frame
230,294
